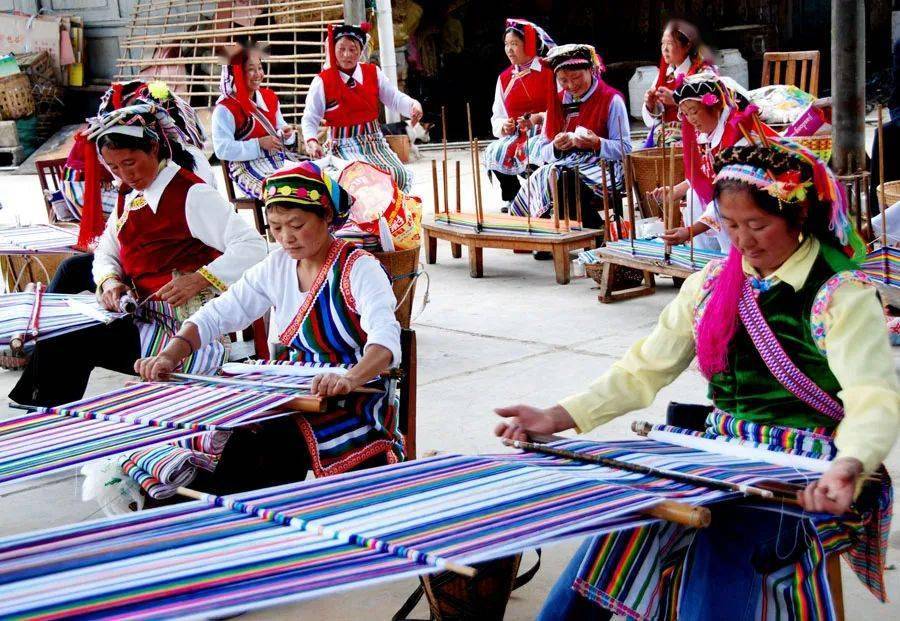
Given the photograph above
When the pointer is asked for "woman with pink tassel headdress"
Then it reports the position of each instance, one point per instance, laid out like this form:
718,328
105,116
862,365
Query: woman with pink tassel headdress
790,336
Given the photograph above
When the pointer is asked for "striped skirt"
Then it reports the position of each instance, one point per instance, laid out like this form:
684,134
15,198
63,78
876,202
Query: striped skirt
158,323
535,197
250,175
72,188
643,573
511,155
366,143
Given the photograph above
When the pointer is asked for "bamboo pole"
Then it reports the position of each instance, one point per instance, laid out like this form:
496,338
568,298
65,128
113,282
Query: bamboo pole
681,513
444,174
265,13
884,237
444,143
691,208
161,4
458,187
479,206
578,200
626,167
127,45
434,183
206,60
604,171
565,198
232,31
528,204
554,191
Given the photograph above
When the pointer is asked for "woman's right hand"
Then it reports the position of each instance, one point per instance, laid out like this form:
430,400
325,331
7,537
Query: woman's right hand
522,420
509,127
676,236
314,149
270,143
155,368
563,141
112,292
650,101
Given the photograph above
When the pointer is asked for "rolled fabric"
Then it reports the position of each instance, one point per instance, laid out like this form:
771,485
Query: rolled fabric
161,470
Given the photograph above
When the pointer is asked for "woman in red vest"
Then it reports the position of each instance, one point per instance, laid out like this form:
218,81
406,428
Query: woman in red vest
348,95
681,56
520,101
587,122
248,129
172,243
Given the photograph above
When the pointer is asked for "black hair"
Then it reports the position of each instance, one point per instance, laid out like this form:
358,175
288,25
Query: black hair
686,34
816,219
168,149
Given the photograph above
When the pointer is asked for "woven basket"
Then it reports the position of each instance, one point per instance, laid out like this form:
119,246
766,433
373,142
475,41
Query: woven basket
16,100
891,192
403,267
329,12
37,65
647,167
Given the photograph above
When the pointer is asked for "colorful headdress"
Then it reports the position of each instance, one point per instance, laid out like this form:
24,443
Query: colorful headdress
233,80
705,87
537,41
575,56
357,33
185,123
306,186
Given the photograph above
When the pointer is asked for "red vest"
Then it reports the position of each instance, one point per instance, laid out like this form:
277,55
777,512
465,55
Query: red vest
530,93
153,245
669,81
345,106
245,126
592,114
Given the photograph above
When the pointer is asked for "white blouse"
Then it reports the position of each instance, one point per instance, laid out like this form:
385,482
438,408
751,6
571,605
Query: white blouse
273,284
314,111
230,149
210,218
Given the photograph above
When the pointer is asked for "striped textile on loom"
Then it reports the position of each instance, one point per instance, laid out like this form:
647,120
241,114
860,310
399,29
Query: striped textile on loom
492,223
293,542
654,250
126,419
58,315
37,238
874,266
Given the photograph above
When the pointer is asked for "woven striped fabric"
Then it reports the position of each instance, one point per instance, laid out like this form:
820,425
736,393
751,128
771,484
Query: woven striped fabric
249,175
123,420
536,198
367,143
59,314
242,552
161,470
654,250
883,265
37,239
524,151
499,223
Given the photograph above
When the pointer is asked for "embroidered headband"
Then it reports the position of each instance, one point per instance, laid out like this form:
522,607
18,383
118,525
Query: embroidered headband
575,56
357,33
704,87
306,186
537,41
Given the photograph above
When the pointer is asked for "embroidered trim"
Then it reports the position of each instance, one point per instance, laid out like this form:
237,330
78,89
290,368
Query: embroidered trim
349,460
823,299
703,296
216,282
345,277
312,295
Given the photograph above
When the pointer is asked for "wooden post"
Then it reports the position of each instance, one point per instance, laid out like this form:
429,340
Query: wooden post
578,198
835,585
554,191
884,237
458,189
444,141
565,198
446,197
434,182
606,223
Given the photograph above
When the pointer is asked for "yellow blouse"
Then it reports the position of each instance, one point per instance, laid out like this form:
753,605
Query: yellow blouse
858,354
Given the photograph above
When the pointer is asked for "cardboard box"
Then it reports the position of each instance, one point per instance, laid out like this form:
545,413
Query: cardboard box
26,33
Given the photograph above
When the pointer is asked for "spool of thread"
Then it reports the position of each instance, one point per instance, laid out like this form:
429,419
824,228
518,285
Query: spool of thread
127,304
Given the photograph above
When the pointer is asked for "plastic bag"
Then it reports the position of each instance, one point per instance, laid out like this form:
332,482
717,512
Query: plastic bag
377,197
114,491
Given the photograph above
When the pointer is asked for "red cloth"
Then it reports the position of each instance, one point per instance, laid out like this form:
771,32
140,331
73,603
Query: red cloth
530,93
153,245
593,113
245,126
345,106
669,81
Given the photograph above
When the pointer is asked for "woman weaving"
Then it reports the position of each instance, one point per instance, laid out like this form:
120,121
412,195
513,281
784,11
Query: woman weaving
331,304
249,131
786,306
171,243
347,95
520,102
585,123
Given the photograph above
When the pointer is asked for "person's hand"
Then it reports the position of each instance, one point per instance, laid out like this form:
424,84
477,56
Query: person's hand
270,143
111,292
666,96
155,368
536,118
182,288
314,149
676,236
587,140
509,127
833,492
563,141
659,194
520,420
286,132
650,101
332,385
415,113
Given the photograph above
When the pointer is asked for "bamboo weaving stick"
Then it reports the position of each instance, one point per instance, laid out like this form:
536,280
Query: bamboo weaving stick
565,198
458,187
444,142
884,238
604,171
554,191
578,198
434,183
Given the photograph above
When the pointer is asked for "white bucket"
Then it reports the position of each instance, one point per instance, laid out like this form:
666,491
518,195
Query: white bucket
643,80
732,64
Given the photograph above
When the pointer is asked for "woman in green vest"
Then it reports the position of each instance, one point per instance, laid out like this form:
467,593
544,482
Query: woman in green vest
791,338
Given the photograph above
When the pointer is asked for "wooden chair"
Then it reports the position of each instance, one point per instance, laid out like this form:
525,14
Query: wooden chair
245,202
50,176
807,79
407,385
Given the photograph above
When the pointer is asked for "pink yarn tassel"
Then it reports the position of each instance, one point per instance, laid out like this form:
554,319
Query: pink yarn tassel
720,320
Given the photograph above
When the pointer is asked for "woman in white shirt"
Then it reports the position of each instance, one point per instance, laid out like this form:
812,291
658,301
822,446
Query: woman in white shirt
331,303
249,131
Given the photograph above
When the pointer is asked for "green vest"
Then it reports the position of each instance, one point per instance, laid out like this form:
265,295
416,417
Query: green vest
748,390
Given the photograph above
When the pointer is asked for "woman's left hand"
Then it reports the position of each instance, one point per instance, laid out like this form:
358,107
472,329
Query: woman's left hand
332,385
833,492
182,288
415,114
666,95
588,140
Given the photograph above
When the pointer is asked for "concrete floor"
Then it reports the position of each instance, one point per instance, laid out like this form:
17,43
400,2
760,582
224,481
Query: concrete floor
513,336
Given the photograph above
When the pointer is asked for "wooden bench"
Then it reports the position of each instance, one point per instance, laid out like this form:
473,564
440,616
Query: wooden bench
560,245
605,273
